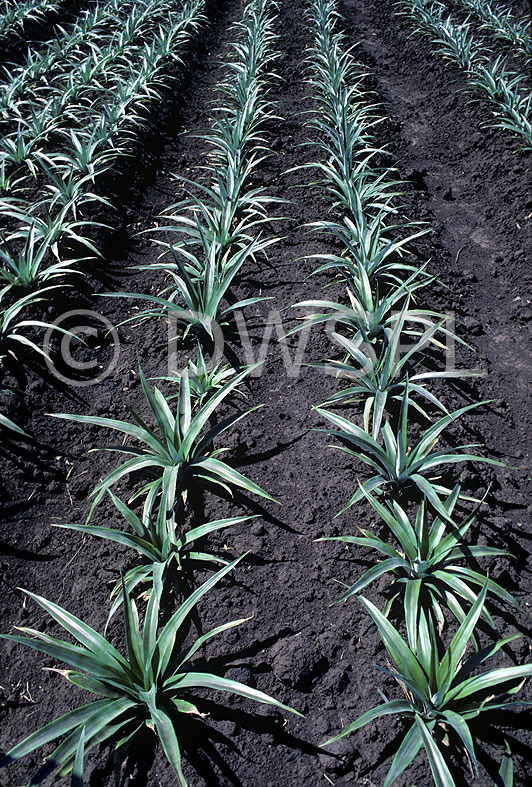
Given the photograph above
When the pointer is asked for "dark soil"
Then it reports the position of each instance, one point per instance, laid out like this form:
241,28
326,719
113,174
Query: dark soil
473,187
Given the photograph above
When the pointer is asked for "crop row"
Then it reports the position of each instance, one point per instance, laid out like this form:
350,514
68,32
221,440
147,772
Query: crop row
220,227
58,58
72,94
15,17
502,24
490,80
50,171
388,347
211,238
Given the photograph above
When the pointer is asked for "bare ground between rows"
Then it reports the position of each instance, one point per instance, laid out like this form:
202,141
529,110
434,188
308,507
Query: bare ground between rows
316,659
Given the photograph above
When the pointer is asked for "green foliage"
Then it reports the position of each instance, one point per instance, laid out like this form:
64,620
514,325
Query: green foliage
442,691
380,369
396,464
88,86
150,687
430,566
15,17
205,377
16,334
177,452
503,25
218,229
430,563
5,422
159,540
201,282
489,79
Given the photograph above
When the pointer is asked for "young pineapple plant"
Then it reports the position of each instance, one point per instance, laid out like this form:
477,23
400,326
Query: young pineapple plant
177,452
162,542
429,564
383,356
152,686
398,466
200,283
443,689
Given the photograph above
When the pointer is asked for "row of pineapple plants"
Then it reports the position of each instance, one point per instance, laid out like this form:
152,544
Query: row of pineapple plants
54,55
65,69
173,453
386,341
70,114
16,17
501,23
489,78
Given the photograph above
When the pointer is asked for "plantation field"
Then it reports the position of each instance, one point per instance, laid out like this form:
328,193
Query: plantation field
188,145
